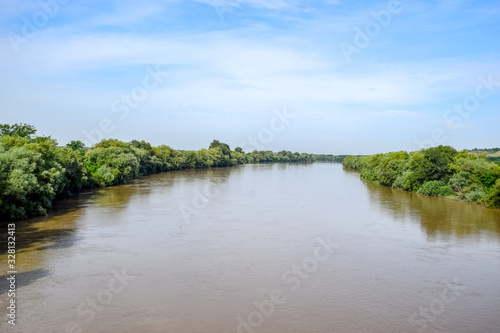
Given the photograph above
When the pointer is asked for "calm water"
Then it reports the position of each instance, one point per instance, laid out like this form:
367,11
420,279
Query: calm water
257,248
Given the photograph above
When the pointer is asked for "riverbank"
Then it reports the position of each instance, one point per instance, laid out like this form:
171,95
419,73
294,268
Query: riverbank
396,252
440,171
36,171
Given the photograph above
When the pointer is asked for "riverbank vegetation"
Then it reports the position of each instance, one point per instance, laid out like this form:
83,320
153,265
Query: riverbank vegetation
492,155
330,158
34,171
440,171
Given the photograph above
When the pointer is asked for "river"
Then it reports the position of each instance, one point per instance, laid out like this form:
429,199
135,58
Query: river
256,248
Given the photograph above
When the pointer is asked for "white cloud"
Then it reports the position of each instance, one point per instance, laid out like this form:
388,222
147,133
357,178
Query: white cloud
247,71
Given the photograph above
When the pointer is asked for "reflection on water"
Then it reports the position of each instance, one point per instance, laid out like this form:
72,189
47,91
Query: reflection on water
250,226
23,279
440,218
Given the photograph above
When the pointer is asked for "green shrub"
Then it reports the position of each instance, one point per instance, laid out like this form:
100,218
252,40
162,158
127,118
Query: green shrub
459,181
407,181
475,193
493,198
30,176
104,176
76,175
435,188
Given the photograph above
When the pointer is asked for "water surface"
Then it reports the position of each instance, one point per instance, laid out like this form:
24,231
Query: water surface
243,249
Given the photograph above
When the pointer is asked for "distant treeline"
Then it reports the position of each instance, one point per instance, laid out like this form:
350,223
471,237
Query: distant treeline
35,170
495,159
492,154
330,158
439,171
484,151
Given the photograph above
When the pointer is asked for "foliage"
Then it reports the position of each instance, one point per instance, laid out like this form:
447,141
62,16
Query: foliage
475,193
435,188
76,145
459,181
22,130
35,171
330,158
437,163
103,175
30,176
438,171
282,157
493,198
118,156
76,175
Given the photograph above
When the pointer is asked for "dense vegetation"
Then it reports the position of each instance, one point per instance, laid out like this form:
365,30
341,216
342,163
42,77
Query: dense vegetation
488,151
330,158
492,154
35,170
439,171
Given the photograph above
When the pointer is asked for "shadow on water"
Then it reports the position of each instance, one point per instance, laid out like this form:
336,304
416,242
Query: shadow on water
23,279
440,218
58,229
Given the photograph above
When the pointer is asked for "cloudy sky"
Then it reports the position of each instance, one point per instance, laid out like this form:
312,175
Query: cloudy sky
319,76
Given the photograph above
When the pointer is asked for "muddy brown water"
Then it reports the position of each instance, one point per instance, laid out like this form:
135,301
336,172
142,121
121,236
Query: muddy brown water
256,248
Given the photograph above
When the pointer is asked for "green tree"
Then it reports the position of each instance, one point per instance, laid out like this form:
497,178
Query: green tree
22,130
493,198
119,156
437,163
76,175
226,150
30,176
190,159
76,145
435,188
143,145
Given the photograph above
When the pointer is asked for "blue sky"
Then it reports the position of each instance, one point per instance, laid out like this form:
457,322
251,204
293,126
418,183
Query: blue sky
352,77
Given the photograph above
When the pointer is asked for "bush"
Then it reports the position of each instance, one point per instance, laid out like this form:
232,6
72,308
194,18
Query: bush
123,163
475,193
438,171
407,181
76,175
30,176
435,188
391,166
459,181
104,176
493,198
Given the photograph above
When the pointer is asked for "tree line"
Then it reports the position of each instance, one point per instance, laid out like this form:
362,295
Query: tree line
330,158
439,171
34,170
492,154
